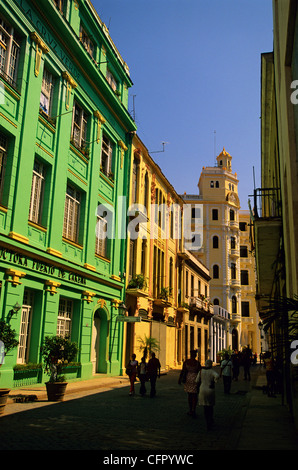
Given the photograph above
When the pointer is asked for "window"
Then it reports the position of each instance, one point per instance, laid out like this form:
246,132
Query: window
9,52
72,214
135,180
106,155
46,92
242,226
233,271
146,191
215,271
111,80
211,184
215,241
232,215
87,43
61,5
64,318
101,245
243,251
26,319
214,214
171,276
186,284
79,126
245,309
234,304
192,292
132,258
233,243
3,158
216,302
37,191
217,184
143,257
244,277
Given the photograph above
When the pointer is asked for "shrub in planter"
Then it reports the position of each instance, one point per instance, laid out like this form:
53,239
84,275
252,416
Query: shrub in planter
7,343
57,352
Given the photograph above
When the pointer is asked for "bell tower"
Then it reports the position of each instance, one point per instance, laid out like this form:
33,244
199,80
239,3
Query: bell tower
224,160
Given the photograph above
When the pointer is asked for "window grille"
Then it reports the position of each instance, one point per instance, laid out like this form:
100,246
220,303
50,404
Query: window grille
24,337
37,190
101,237
71,214
9,52
106,155
64,317
46,92
79,126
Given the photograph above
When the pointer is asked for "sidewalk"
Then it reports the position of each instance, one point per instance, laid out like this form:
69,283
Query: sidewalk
32,396
266,423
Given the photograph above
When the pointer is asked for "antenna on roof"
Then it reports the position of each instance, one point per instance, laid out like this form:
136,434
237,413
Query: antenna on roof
163,148
214,148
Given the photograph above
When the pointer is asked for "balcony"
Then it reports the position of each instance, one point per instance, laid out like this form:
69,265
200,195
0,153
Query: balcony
267,219
203,306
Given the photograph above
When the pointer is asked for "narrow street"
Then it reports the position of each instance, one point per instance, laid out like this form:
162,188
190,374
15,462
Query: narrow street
112,420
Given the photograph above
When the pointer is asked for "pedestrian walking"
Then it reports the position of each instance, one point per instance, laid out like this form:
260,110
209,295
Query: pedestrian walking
270,374
142,374
153,370
226,373
206,379
131,371
188,376
246,362
235,365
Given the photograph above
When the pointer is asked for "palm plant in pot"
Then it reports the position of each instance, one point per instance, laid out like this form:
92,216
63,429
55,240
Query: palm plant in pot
8,342
57,352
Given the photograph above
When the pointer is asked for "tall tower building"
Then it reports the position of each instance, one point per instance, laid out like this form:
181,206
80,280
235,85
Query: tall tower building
220,251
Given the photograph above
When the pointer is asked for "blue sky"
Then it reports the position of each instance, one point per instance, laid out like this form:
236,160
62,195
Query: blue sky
195,67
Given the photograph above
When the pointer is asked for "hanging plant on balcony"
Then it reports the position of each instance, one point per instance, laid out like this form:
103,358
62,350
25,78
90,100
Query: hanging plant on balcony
164,293
137,282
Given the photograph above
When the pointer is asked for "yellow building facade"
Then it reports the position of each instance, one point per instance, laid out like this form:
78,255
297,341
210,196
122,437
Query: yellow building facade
156,264
250,334
221,250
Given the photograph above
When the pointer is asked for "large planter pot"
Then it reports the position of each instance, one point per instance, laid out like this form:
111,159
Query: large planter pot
3,398
56,390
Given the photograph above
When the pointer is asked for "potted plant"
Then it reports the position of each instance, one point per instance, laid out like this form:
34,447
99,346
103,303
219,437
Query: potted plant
137,282
7,343
57,352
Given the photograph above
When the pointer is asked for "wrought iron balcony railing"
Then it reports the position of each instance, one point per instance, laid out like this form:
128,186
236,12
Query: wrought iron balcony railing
267,203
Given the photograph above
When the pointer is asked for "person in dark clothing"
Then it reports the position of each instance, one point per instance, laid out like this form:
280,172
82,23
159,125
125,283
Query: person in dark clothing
153,370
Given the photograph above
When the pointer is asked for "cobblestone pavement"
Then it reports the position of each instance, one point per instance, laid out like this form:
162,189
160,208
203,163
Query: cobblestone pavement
109,419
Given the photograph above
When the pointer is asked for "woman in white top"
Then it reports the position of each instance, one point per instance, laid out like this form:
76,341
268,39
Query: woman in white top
207,378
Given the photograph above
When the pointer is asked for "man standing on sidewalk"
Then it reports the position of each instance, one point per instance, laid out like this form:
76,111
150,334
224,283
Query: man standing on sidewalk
153,370
226,373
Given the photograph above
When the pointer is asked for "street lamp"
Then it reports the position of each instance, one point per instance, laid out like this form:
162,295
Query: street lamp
14,310
122,308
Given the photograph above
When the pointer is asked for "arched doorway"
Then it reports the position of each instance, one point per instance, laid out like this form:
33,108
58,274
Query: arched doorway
235,343
99,341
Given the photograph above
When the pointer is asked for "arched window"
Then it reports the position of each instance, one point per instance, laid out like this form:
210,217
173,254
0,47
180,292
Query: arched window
216,302
215,241
215,271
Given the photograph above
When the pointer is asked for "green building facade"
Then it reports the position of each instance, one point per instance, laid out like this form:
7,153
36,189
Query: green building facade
65,144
